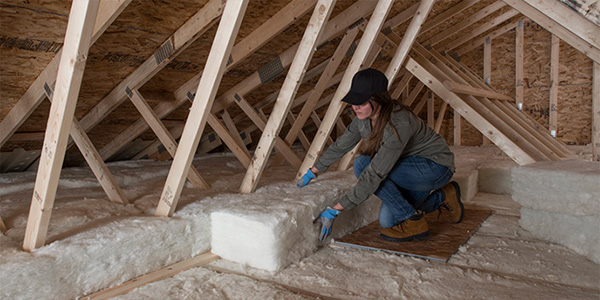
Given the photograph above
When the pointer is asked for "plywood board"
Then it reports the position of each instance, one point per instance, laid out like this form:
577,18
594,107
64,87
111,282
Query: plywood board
444,240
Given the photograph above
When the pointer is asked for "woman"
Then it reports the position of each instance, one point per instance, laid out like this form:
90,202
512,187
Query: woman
402,161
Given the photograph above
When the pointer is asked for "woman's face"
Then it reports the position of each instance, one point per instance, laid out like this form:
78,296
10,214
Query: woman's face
364,110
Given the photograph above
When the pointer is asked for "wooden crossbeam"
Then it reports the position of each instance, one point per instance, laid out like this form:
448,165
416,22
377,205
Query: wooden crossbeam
570,19
470,90
163,134
288,91
471,115
474,43
322,84
530,140
200,110
525,121
233,131
480,30
479,15
238,148
173,46
107,13
335,107
457,128
409,37
68,82
243,49
563,30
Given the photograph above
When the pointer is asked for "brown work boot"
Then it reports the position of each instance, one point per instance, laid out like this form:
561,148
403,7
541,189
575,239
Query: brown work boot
452,203
413,228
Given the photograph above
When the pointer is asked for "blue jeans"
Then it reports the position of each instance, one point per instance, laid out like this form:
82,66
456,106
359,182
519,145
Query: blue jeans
412,184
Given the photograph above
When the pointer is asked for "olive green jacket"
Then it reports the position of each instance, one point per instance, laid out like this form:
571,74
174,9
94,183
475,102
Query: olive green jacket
416,139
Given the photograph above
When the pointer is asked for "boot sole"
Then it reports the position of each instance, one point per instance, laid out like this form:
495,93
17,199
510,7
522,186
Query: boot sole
462,208
416,237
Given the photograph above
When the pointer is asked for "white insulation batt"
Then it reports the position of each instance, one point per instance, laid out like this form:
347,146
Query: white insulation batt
561,203
272,230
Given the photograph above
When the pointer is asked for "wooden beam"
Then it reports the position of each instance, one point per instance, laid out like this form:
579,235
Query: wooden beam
239,150
532,141
235,134
200,110
107,13
465,23
441,115
70,72
173,46
487,61
161,274
570,19
185,93
480,30
519,62
460,88
409,38
490,131
257,119
421,103
335,107
474,43
596,113
430,110
563,31
163,134
322,84
414,93
288,91
553,105
457,129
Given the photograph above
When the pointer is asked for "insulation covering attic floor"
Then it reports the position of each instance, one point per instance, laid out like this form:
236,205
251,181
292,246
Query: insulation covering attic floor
93,244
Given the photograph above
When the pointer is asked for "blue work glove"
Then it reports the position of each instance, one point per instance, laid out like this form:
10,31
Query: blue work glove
306,178
326,219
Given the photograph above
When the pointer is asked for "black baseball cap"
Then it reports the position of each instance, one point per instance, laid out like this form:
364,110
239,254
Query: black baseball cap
365,84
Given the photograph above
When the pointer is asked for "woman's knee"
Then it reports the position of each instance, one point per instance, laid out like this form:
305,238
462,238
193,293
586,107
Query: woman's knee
360,163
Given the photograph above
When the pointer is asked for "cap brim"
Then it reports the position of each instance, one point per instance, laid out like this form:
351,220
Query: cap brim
354,98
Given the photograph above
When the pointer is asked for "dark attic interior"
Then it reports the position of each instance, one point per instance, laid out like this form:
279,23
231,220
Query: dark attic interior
151,149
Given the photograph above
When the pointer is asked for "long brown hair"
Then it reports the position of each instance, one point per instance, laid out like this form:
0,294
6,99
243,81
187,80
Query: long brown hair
387,106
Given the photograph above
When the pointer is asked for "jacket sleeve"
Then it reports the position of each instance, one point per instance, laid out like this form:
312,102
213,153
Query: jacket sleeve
382,163
341,146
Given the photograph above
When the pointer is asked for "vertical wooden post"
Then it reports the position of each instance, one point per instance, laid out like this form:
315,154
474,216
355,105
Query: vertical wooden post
596,112
70,72
430,110
519,54
554,59
335,107
487,71
205,96
457,129
288,91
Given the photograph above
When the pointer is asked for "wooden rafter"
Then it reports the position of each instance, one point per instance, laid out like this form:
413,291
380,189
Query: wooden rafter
163,134
288,91
68,81
243,49
480,30
335,108
35,94
596,112
173,46
564,31
200,110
